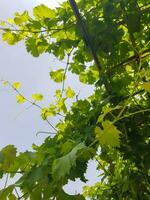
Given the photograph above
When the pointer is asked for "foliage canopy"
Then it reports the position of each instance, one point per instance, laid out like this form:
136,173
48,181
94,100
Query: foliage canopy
107,47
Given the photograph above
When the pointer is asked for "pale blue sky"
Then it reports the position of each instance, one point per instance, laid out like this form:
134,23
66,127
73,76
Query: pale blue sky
18,126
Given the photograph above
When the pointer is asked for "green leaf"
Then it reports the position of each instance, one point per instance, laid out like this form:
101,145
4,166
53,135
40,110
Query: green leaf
12,197
106,110
32,46
133,21
61,166
64,196
4,193
16,85
37,97
42,12
69,92
146,86
57,75
8,156
36,194
20,98
34,175
109,135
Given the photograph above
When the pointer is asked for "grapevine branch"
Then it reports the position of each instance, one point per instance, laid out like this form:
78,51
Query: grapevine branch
88,42
143,54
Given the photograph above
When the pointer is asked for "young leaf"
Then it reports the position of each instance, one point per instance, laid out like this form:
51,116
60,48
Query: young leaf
69,92
37,97
58,75
16,85
47,112
61,106
58,94
20,98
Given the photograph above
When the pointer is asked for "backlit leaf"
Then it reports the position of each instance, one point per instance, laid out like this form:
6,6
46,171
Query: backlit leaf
20,98
58,75
21,18
10,38
16,85
146,86
37,97
69,92
42,12
109,135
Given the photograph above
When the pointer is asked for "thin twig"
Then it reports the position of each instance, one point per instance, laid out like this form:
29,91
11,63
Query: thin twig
17,193
30,31
32,103
6,181
45,132
66,69
143,54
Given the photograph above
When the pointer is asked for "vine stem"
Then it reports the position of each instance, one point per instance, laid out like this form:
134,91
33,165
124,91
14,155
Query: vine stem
131,114
45,132
66,69
88,43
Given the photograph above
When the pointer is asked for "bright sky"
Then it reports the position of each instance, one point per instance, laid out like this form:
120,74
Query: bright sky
51,3
18,125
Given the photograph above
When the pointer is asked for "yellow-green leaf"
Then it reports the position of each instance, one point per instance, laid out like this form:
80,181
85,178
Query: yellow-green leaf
58,94
48,112
16,85
61,106
37,97
10,38
70,92
42,12
58,75
109,135
20,98
21,18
